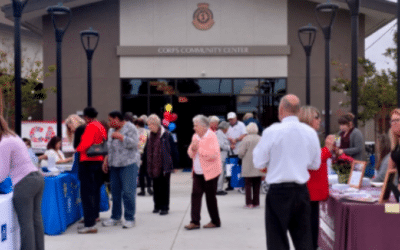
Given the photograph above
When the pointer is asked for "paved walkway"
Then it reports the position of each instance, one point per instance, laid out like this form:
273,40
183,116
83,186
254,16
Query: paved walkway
241,228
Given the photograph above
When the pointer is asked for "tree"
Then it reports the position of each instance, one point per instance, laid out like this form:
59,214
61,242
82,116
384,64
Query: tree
32,91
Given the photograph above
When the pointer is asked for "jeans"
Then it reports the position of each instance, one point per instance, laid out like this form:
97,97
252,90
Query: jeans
27,203
123,185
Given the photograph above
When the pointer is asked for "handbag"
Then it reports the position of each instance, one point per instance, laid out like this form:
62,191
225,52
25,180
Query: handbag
98,149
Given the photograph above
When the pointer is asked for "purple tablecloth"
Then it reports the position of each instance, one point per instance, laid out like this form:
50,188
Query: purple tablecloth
353,225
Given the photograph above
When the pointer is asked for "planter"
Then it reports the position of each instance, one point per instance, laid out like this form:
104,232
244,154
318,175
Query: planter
343,178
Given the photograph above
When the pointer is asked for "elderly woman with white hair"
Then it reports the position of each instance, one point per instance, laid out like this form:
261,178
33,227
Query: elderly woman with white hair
204,150
160,157
252,175
214,121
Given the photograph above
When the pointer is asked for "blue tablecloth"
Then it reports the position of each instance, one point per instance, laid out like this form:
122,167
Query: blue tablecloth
61,203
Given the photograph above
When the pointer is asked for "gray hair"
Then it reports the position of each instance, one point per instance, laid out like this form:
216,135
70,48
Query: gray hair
153,118
201,119
214,119
252,128
223,125
144,118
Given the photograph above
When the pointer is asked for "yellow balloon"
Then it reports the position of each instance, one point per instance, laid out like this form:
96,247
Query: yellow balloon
168,107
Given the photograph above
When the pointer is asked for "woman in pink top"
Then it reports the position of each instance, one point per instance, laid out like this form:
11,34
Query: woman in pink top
205,152
28,186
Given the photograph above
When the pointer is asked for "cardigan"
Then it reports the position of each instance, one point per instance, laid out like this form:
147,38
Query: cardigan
209,154
245,152
356,149
168,146
318,184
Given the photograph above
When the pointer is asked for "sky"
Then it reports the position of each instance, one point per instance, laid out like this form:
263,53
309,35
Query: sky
377,43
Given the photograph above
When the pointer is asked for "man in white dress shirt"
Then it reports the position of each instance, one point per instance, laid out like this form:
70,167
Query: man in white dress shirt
288,149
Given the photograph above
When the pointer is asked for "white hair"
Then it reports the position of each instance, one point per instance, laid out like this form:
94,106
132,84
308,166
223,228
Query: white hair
214,119
153,118
252,128
144,118
203,120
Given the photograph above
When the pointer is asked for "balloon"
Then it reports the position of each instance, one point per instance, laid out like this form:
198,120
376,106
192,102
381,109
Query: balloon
174,117
165,122
168,107
172,126
167,116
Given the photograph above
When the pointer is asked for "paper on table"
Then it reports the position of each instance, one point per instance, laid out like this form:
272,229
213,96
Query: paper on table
355,178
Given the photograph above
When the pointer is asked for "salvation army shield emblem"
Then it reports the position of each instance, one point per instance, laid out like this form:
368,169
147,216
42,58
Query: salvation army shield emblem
203,17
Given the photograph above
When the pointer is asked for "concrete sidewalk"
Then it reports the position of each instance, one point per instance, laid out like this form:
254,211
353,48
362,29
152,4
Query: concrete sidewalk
241,228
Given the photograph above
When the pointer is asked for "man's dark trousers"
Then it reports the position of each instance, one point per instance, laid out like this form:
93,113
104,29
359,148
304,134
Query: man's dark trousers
288,207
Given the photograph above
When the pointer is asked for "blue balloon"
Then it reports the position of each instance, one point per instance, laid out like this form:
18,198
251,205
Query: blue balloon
171,126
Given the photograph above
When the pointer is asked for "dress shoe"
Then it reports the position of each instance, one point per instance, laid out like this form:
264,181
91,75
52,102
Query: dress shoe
156,211
164,212
150,191
211,225
141,193
222,192
192,226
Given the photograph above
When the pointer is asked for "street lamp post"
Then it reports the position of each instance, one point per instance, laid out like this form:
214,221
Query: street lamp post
88,35
56,11
18,7
354,6
326,29
309,32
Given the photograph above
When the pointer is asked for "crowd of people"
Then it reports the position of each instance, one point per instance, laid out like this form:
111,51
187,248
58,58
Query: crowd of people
287,155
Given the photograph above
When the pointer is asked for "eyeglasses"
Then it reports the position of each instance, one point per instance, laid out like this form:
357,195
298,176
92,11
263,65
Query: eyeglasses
394,121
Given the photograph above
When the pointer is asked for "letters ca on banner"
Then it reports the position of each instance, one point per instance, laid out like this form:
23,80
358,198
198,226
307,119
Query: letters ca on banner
40,134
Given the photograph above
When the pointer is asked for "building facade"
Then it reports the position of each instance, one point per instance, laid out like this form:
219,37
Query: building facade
202,57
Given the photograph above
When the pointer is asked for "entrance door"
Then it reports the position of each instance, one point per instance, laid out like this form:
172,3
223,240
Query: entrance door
195,105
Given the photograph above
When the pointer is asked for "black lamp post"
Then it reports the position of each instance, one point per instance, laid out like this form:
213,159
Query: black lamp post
326,29
55,12
18,7
354,6
309,32
86,36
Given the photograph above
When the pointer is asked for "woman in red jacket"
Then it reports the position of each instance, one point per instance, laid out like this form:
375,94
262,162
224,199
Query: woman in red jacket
90,172
318,185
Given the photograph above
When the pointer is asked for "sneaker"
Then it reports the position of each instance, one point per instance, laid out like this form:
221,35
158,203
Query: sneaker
222,192
88,230
128,224
142,193
111,222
